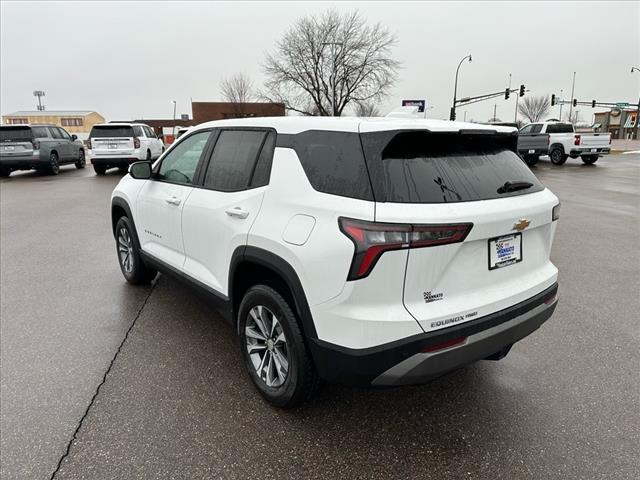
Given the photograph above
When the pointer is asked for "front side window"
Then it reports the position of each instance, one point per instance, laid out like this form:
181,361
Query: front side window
55,133
526,130
233,160
179,165
536,128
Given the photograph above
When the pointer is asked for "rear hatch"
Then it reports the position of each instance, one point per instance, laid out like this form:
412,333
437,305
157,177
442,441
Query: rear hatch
112,140
16,141
481,222
593,140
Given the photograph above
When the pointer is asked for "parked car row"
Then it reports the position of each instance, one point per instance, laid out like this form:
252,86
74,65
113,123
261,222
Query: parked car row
47,147
560,141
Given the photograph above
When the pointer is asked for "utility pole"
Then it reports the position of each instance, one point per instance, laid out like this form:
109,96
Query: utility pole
634,135
174,120
465,116
39,94
495,105
573,85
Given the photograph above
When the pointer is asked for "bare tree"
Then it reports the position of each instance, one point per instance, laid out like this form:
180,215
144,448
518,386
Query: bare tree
237,89
326,62
366,109
534,108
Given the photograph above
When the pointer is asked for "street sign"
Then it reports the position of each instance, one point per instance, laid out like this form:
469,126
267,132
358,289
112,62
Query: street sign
184,116
415,103
622,104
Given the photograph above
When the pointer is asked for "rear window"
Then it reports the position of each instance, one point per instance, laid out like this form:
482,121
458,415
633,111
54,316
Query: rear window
423,167
40,132
15,134
332,161
109,131
559,128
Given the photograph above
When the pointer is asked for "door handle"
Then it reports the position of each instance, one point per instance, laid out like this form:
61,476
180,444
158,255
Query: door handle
173,200
237,212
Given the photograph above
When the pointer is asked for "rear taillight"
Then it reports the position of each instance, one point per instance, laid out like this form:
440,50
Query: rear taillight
136,142
36,144
372,239
555,213
444,345
576,139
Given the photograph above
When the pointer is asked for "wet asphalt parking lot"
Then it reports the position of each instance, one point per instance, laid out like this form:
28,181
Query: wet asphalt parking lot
101,380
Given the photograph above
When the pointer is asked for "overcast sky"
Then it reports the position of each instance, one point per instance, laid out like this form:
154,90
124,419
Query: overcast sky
130,59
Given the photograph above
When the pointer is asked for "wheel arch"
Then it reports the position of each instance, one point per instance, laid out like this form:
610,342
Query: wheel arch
253,265
120,208
553,146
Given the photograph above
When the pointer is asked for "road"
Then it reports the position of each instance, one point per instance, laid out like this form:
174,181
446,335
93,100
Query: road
113,381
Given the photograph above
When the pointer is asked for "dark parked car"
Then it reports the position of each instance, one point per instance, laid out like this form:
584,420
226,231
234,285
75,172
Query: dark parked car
39,147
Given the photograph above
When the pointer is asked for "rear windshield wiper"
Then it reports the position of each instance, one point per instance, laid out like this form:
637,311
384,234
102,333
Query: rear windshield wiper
514,186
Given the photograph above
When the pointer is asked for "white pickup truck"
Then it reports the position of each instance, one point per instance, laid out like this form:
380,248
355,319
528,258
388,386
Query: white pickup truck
560,141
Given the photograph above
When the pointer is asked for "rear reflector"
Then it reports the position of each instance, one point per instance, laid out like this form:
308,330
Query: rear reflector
441,346
372,239
551,299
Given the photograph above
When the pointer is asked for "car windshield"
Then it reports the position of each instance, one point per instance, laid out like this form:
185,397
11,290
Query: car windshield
110,131
15,134
423,167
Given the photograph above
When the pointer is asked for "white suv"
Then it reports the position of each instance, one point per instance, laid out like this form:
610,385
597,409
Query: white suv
371,252
121,144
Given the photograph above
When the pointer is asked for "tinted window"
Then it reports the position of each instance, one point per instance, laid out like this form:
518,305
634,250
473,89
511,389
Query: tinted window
15,134
137,131
262,171
422,167
109,131
64,134
332,161
39,132
559,128
149,132
55,133
525,130
179,165
233,159
536,128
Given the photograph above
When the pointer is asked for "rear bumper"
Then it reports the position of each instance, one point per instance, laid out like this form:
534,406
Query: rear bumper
113,161
405,362
533,151
22,162
587,151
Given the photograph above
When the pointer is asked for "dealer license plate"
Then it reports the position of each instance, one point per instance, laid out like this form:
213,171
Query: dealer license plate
505,250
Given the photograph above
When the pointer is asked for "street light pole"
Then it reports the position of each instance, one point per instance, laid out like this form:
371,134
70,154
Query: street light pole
561,98
634,136
573,85
452,115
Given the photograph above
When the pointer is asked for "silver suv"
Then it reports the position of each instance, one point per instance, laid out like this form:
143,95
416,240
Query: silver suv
39,147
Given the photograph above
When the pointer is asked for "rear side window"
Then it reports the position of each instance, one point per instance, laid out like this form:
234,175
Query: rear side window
262,172
332,161
537,128
15,134
559,128
423,167
111,131
233,160
39,132
137,131
149,132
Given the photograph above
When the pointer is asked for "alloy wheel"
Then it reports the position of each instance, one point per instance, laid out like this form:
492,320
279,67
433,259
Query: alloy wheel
267,346
125,249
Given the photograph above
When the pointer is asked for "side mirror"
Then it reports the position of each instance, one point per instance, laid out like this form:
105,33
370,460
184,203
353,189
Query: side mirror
74,137
140,170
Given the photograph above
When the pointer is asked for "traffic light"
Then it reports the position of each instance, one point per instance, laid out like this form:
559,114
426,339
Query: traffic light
593,104
553,99
522,90
507,92
575,102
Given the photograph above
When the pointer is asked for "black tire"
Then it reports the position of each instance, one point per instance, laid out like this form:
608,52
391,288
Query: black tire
100,169
82,161
135,272
531,160
5,172
301,379
557,156
124,169
589,159
54,166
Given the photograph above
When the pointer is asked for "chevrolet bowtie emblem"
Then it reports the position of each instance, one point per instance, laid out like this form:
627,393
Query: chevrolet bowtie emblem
521,225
